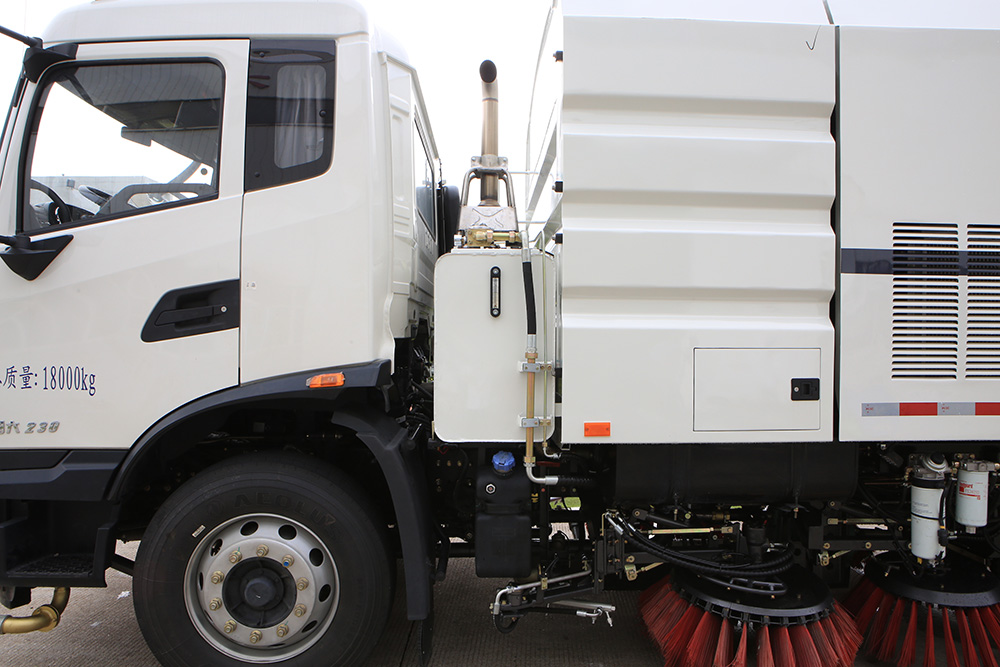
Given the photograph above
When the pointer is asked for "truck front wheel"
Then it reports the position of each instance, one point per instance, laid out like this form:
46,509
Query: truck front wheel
268,559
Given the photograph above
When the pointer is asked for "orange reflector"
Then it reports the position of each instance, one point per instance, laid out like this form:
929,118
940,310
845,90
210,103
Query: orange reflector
596,429
326,380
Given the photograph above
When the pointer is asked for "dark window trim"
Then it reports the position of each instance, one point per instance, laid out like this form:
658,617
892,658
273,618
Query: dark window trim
260,172
31,131
418,120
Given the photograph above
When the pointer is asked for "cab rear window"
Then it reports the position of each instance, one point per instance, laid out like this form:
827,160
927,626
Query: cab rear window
290,96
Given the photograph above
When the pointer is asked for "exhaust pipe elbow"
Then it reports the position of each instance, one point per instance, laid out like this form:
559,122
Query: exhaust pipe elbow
44,619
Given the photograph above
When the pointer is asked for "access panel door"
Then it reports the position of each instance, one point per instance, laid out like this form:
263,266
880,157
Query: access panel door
128,160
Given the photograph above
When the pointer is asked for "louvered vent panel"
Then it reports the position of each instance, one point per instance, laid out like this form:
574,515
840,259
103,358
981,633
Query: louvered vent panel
925,300
982,351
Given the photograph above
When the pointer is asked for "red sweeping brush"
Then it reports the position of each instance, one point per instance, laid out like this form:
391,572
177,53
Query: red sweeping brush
676,640
982,638
908,653
950,652
724,648
765,657
693,620
845,658
781,646
929,656
861,595
864,616
806,651
702,646
847,635
965,633
822,642
887,646
741,650
880,624
890,599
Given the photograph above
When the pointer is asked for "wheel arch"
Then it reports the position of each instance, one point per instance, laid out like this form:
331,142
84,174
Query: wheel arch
358,407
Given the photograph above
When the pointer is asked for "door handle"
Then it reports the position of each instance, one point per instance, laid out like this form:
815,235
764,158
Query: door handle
194,310
189,314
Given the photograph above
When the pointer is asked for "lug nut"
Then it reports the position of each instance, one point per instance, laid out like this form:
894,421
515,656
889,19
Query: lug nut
217,577
282,630
215,604
255,636
287,560
262,550
300,610
230,627
235,557
302,584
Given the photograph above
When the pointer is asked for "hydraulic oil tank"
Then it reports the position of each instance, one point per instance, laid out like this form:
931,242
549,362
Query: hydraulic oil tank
503,522
479,341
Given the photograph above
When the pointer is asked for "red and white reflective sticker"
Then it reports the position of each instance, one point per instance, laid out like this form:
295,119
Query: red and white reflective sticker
929,409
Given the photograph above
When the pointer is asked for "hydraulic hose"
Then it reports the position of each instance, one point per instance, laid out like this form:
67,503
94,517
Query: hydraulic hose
770,568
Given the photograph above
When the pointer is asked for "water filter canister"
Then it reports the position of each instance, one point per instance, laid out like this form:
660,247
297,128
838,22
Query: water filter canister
971,505
926,489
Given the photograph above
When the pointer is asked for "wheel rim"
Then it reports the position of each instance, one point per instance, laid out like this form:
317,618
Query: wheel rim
261,588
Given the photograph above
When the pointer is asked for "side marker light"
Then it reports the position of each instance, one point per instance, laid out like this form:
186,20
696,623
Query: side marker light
326,380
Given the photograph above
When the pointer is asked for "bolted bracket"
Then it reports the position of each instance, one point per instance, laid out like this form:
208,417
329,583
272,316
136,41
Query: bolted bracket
535,422
535,367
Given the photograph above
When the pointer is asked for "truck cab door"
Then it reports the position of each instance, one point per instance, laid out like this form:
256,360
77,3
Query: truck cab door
124,168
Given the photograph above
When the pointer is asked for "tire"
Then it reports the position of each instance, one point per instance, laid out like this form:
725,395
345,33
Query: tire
214,584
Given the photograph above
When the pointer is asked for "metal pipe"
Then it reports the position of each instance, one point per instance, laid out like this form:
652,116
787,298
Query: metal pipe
44,619
489,183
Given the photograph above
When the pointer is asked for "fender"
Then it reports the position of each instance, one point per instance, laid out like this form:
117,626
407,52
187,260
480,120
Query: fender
403,470
388,442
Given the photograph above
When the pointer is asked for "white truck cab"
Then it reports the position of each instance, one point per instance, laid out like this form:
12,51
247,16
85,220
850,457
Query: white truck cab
187,188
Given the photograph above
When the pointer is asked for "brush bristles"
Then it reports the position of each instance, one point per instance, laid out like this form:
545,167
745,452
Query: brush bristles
887,645
908,653
655,591
880,624
845,658
950,652
849,633
673,643
765,658
860,596
864,617
991,621
822,643
690,637
701,646
968,649
982,639
806,653
661,618
930,659
724,647
741,650
781,646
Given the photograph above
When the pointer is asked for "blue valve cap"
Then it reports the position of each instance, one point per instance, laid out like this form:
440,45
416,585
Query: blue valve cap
503,462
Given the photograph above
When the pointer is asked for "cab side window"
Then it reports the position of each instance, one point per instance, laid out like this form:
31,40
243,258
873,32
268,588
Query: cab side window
111,140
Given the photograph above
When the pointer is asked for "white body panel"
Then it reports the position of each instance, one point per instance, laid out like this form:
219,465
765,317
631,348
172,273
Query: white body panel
698,182
918,142
479,390
88,308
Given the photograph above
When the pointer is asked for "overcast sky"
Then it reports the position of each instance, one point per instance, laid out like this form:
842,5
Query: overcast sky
446,41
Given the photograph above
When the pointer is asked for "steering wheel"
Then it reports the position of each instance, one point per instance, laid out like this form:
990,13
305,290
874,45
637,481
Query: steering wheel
99,197
59,211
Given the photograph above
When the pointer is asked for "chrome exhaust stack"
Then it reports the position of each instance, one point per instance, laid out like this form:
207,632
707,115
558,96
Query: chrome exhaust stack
489,223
